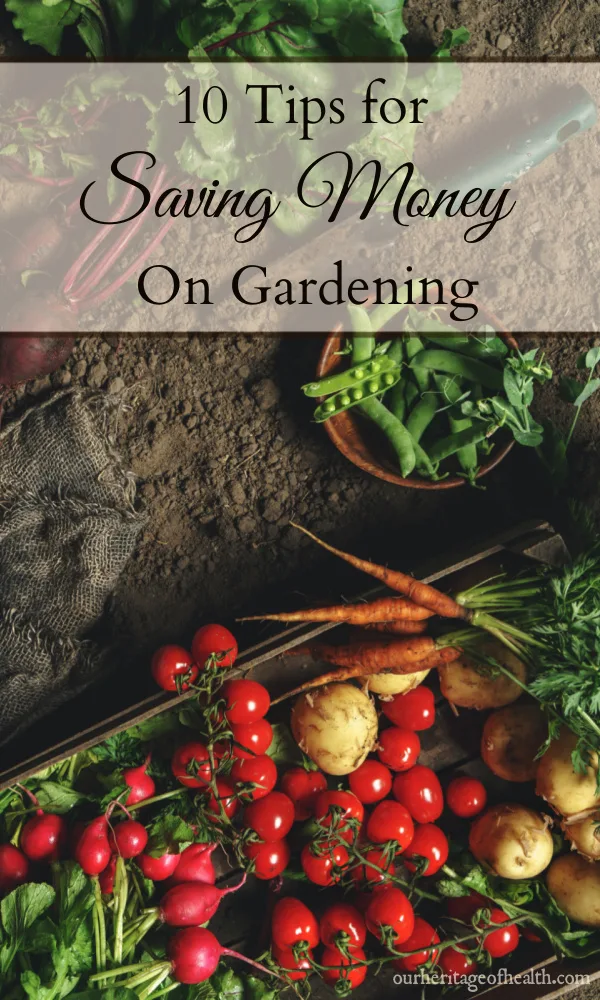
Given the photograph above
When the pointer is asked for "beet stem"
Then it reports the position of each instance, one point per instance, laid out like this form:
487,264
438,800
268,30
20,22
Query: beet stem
75,269
250,961
99,269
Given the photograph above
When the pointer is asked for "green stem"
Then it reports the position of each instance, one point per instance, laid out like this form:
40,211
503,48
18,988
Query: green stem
113,973
134,935
158,798
168,989
121,891
156,982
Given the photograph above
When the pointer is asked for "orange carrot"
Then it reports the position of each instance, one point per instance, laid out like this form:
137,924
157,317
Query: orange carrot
385,609
428,662
421,593
406,627
377,653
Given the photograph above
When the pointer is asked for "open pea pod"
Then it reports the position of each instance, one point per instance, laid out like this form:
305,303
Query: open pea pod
351,376
358,393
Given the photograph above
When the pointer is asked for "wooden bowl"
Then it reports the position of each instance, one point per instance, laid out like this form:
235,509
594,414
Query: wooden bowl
364,444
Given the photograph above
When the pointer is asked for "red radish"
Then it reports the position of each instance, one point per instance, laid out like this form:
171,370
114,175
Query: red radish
129,838
191,765
14,867
141,784
93,851
173,668
158,869
192,903
196,865
107,877
195,954
43,837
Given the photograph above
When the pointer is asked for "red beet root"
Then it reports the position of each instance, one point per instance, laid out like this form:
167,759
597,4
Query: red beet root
43,837
196,865
14,868
141,784
93,851
129,839
26,357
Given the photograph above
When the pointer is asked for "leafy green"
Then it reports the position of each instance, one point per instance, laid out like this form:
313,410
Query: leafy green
553,452
283,749
451,39
168,834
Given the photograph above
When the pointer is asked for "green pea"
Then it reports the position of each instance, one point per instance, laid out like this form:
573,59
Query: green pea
373,385
375,367
358,393
388,379
358,374
329,405
344,399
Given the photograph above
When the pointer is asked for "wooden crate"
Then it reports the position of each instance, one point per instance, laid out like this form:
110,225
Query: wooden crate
449,746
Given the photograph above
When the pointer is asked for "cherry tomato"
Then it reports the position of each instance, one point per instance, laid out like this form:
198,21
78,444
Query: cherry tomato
456,963
335,962
422,936
214,644
413,710
466,797
173,668
191,765
225,801
342,924
419,790
259,771
389,907
302,786
291,923
320,867
295,968
390,821
367,873
530,935
347,802
428,842
251,738
271,817
245,701
464,907
270,857
371,782
398,748
501,942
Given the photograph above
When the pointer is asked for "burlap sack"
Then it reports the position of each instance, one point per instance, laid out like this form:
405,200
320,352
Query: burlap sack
68,523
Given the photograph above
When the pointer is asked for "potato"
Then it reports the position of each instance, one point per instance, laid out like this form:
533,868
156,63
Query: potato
336,725
511,739
465,686
511,840
584,836
387,685
557,781
575,885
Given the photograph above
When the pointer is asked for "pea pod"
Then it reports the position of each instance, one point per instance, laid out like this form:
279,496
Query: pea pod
414,347
395,400
448,446
457,364
351,376
396,350
395,431
421,415
492,348
363,341
358,393
452,391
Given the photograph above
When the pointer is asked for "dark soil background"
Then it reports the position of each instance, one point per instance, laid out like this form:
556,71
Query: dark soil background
221,440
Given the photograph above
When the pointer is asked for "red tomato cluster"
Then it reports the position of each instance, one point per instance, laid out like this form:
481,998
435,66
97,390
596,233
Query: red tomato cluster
175,669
